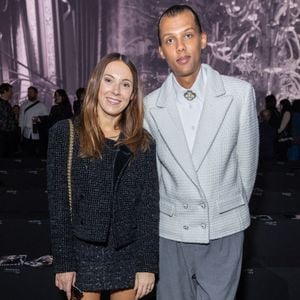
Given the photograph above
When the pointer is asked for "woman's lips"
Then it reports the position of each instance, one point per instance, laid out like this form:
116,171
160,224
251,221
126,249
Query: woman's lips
113,101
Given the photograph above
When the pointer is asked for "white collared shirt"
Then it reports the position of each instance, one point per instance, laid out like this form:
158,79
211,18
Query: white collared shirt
25,120
190,111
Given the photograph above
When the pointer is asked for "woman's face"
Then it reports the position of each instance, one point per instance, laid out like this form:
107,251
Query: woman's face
115,89
57,98
280,107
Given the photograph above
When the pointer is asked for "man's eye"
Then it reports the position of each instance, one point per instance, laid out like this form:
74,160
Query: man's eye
169,41
188,35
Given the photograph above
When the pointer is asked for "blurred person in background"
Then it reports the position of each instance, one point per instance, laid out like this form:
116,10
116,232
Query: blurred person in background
61,109
284,130
8,123
32,115
80,93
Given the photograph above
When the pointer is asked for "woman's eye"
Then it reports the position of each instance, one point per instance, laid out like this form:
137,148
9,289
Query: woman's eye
107,79
127,85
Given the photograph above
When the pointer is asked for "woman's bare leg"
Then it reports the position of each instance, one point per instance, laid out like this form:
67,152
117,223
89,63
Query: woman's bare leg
91,296
123,295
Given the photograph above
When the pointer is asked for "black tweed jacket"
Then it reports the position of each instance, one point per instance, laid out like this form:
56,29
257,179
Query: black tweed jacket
130,215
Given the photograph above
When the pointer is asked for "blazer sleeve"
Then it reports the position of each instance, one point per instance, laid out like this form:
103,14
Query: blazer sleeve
248,142
59,211
148,217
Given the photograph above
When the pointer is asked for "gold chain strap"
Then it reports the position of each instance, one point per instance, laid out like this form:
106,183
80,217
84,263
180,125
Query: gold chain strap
69,166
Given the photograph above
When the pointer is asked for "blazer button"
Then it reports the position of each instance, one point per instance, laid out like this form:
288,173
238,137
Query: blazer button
202,204
81,222
185,206
185,227
203,225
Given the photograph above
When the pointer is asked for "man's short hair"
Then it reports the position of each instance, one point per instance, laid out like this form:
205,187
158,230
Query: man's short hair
33,88
174,11
4,87
270,101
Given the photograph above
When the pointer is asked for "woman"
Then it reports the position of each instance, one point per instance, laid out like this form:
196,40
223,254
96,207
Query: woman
284,131
294,150
77,104
111,243
62,109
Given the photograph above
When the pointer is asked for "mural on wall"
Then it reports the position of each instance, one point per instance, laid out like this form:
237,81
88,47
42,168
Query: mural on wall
56,43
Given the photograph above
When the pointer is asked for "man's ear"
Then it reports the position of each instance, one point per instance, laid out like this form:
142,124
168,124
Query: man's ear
161,53
203,40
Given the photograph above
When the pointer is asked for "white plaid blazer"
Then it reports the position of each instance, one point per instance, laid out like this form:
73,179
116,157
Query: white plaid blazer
204,194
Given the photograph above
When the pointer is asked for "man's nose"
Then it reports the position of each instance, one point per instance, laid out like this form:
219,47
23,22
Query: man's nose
180,46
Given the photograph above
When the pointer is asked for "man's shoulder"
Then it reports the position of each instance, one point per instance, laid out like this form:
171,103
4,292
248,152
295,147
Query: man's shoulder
151,98
25,104
3,102
228,81
42,108
235,82
41,104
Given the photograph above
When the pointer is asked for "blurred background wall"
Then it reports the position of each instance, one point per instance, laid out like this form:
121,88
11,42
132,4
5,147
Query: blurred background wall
56,43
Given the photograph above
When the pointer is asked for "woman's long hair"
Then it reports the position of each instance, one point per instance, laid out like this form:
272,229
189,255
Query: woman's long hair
65,102
286,106
131,120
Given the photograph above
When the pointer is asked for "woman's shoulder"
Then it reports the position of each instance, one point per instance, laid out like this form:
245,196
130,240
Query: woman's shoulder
61,128
150,149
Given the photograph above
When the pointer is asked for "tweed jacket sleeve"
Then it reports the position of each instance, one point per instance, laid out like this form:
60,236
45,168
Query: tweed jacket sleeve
148,216
60,222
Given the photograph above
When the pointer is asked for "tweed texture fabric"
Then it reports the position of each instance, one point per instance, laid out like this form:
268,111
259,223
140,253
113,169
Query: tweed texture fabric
115,212
204,193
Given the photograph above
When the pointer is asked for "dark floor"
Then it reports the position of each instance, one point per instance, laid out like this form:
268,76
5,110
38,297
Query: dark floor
271,268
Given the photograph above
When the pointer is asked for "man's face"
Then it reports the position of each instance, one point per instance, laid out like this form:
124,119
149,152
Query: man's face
181,45
9,93
31,94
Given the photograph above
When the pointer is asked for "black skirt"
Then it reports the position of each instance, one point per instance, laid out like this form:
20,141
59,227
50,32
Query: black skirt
100,267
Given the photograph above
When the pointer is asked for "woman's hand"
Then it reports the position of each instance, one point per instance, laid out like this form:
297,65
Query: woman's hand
64,282
144,284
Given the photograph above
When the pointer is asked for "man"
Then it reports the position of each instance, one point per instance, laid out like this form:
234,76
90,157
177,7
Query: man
31,112
206,131
8,124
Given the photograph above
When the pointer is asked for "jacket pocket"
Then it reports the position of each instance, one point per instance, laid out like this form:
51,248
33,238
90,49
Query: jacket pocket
230,201
167,208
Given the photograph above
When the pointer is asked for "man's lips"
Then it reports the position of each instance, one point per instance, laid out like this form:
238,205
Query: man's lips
183,60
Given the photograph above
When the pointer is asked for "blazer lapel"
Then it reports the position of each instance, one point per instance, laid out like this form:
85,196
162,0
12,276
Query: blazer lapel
168,123
216,105
121,161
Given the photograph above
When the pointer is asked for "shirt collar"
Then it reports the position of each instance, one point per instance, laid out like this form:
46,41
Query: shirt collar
198,87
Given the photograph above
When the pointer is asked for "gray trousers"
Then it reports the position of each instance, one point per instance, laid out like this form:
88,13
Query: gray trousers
200,271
